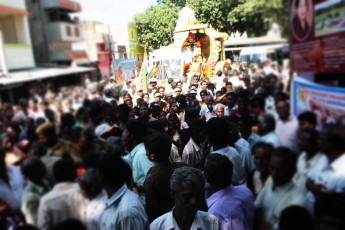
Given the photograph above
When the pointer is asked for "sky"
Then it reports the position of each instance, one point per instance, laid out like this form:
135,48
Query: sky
112,11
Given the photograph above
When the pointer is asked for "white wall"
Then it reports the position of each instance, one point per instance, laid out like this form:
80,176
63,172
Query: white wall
14,3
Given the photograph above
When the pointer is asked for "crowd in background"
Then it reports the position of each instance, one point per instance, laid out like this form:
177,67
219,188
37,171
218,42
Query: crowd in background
216,153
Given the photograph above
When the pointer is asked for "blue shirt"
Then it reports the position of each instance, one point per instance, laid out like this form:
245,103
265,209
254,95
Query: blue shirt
124,210
234,207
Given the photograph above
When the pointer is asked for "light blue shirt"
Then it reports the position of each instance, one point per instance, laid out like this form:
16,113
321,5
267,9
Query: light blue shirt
124,210
202,221
140,163
253,139
271,138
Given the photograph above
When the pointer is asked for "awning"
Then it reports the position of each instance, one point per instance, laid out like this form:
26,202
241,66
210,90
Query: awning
39,74
13,10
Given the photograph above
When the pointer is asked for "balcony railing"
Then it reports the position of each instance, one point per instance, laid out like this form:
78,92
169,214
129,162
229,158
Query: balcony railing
64,31
62,4
19,56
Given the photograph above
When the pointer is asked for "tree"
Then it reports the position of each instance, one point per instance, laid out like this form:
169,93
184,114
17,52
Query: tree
241,15
179,3
156,25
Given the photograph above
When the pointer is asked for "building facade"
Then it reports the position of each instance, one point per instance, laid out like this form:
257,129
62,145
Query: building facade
54,30
15,43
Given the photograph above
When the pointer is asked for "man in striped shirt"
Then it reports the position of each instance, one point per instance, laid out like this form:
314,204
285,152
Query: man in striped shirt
192,152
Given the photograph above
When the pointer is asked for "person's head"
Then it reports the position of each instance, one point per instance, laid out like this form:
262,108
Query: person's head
203,85
217,132
192,94
70,224
262,154
258,103
245,124
197,130
307,120
140,93
174,122
191,37
331,140
243,100
283,110
64,170
177,92
89,185
134,133
282,165
219,110
266,124
146,97
218,171
187,187
302,9
192,113
209,102
158,147
210,86
34,169
158,97
330,211
228,86
179,84
47,134
111,169
203,94
195,79
173,107
308,140
129,103
161,90
295,218
144,110
231,99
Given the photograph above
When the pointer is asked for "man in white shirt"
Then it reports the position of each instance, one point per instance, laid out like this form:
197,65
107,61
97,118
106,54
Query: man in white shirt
64,201
187,188
218,136
266,125
208,112
282,192
309,158
328,174
287,126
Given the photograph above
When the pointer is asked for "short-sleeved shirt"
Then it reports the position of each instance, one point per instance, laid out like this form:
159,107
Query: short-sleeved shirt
191,154
273,200
202,221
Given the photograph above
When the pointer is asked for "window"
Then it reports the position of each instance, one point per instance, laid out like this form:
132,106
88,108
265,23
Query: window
7,25
68,31
76,32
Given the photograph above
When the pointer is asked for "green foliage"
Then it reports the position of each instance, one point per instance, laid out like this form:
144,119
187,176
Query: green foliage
179,3
157,24
241,15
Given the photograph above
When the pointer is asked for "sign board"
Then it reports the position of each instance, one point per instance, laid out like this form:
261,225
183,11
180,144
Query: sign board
125,70
318,35
328,103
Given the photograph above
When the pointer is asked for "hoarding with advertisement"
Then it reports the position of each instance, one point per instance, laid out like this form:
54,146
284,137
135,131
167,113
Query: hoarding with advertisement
318,35
328,103
125,70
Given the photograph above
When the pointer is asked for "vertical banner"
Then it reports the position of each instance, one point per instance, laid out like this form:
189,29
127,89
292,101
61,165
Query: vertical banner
144,72
125,70
328,103
318,35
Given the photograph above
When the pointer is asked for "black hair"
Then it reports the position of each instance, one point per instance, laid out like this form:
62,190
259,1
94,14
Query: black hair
334,136
288,155
138,128
218,170
258,101
203,91
159,144
295,218
217,131
192,113
197,126
70,224
64,170
112,168
308,116
263,145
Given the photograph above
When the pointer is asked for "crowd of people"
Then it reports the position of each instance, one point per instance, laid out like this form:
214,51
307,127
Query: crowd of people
219,153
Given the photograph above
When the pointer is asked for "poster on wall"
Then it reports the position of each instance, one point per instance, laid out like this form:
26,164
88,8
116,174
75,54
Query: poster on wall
318,35
125,70
328,103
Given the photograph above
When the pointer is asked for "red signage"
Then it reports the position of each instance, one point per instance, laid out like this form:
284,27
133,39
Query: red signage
70,5
77,55
318,35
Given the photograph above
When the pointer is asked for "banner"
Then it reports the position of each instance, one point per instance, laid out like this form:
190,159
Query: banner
125,70
318,35
328,103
